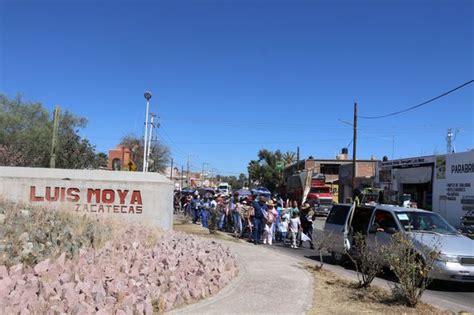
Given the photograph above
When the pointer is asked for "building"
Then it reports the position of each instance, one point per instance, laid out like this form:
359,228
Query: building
330,168
442,183
408,178
119,158
191,179
365,177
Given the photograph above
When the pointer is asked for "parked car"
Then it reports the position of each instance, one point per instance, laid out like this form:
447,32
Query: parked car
467,224
321,207
426,229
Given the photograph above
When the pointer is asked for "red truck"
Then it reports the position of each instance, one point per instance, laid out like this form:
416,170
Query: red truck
319,195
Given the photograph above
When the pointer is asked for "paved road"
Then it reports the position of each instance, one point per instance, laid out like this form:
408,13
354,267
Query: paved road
452,296
261,270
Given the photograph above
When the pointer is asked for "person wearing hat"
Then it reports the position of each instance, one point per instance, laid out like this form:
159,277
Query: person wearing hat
269,222
306,218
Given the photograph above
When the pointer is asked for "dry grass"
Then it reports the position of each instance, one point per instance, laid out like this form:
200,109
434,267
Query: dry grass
336,295
31,234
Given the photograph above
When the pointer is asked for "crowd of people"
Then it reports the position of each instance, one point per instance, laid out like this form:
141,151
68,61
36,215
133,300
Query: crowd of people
259,219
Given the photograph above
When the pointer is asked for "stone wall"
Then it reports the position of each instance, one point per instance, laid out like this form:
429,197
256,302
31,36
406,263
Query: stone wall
133,196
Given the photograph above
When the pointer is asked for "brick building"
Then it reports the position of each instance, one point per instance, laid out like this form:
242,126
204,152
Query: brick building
365,177
119,158
331,168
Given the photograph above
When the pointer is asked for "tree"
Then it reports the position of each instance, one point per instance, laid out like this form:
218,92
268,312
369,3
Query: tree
159,153
26,131
289,158
73,150
101,160
263,171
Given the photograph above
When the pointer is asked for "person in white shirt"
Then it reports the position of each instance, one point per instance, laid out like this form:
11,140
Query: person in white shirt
282,228
294,226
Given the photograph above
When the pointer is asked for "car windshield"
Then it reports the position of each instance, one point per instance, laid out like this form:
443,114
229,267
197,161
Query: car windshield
223,187
325,201
319,190
424,222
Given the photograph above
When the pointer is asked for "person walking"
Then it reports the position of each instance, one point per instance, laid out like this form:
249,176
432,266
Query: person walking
260,209
236,209
282,228
293,208
205,205
307,217
269,222
294,227
214,215
195,207
247,217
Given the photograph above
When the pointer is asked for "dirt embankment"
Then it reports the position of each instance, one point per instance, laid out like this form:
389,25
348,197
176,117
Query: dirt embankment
336,295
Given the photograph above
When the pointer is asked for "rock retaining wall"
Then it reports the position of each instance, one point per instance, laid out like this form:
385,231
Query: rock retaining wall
135,274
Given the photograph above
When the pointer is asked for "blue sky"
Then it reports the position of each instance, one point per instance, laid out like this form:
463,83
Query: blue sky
231,77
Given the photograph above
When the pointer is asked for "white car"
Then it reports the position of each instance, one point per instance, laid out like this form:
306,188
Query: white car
425,228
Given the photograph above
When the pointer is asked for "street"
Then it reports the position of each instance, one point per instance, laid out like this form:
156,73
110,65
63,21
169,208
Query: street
453,296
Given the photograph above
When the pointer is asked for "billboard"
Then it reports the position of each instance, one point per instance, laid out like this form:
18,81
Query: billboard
453,187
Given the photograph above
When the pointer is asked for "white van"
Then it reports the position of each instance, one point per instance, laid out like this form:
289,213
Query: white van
224,189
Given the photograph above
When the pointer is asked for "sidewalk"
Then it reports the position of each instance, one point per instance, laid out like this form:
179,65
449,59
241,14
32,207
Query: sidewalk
268,283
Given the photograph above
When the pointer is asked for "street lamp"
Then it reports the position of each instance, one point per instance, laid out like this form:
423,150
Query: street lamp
147,96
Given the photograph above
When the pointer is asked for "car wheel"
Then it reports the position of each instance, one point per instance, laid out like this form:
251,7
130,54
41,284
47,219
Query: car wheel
338,258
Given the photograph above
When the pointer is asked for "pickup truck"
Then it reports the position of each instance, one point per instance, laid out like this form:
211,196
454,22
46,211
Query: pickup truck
379,222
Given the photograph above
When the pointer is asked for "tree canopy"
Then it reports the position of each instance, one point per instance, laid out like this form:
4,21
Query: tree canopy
159,153
25,137
263,171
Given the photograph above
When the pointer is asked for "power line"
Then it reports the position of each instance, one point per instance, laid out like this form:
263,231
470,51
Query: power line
421,104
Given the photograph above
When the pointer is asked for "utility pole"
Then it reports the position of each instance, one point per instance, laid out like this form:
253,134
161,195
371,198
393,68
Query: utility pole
297,159
187,172
54,141
171,170
202,173
354,149
182,171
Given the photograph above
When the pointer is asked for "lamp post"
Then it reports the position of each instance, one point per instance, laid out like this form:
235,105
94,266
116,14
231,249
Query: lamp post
147,96
150,135
202,173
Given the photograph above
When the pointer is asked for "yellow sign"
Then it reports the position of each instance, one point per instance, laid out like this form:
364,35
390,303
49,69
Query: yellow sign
131,166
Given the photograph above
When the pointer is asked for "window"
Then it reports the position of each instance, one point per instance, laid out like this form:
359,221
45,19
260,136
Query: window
319,190
385,222
116,164
330,169
361,219
424,222
338,214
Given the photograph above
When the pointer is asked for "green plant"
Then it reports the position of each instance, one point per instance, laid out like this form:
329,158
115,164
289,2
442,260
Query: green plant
368,262
411,265
323,244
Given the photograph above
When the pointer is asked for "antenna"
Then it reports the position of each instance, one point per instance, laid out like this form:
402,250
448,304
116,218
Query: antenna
450,138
